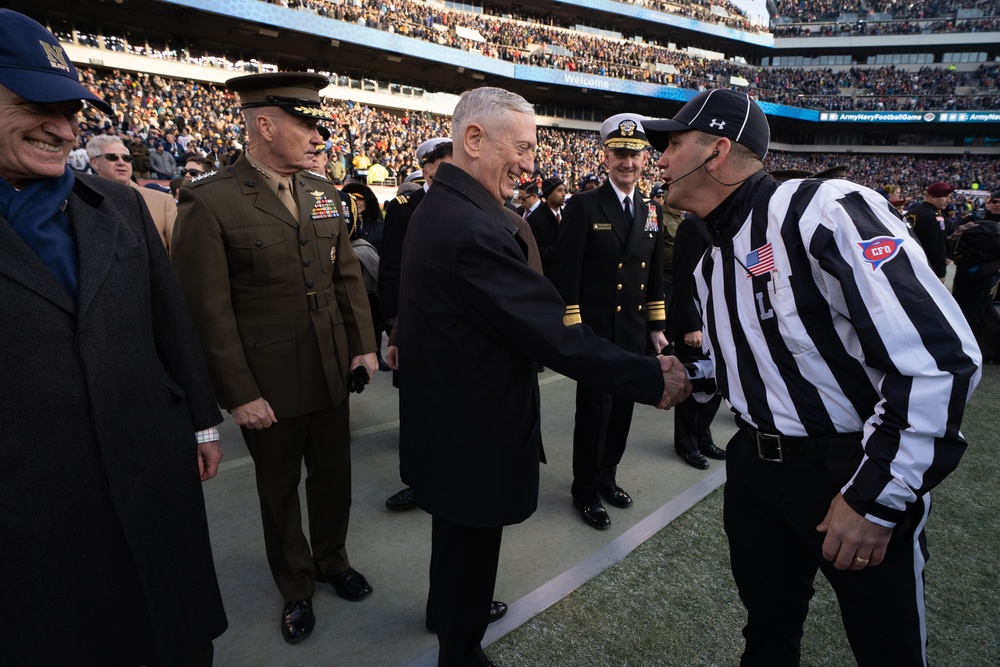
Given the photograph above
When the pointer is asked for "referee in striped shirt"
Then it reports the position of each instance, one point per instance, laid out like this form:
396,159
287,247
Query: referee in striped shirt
848,366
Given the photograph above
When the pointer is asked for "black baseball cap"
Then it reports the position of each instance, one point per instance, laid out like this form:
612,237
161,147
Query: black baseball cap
296,93
722,112
34,65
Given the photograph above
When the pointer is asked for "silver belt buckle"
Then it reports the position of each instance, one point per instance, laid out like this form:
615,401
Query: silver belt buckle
761,437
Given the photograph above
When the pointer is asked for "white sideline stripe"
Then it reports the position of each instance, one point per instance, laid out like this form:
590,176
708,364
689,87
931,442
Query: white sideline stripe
540,599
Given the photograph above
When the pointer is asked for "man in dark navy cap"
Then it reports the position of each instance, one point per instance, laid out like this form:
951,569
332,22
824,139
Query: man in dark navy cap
109,415
264,259
545,221
609,271
848,366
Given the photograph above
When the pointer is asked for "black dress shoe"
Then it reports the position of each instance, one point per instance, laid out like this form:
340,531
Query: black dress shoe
615,495
382,366
695,460
497,611
403,500
594,515
349,584
297,620
713,451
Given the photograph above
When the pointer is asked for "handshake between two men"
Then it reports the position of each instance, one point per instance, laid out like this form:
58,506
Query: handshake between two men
676,386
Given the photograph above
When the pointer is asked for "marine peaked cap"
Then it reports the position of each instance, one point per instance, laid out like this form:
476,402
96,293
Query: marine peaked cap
294,92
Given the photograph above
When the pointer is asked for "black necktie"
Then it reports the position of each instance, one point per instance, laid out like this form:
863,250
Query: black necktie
628,210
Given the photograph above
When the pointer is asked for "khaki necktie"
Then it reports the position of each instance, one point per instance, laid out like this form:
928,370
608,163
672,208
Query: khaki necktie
286,196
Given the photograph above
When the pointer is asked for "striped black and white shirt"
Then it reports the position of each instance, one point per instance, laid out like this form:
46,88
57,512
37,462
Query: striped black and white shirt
822,316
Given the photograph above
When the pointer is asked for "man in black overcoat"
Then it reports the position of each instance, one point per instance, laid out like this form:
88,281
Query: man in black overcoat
106,557
477,319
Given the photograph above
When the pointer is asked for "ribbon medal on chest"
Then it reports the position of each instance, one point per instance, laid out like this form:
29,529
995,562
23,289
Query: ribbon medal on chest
651,224
323,207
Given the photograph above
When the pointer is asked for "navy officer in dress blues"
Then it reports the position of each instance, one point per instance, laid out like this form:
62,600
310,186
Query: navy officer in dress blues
848,366
609,271
265,262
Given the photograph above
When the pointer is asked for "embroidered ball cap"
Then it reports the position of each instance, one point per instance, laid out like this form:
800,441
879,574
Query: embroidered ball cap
589,178
624,130
296,93
549,186
429,145
35,66
722,112
939,189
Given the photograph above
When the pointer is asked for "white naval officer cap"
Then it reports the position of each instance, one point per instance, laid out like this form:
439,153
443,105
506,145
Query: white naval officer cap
624,130
429,145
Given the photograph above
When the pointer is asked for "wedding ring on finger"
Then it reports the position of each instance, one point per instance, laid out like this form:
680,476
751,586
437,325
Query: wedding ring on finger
861,561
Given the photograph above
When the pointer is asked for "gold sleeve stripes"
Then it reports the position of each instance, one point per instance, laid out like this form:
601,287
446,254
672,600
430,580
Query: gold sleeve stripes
572,315
655,311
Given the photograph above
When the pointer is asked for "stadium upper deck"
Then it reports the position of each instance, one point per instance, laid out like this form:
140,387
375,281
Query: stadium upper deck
576,61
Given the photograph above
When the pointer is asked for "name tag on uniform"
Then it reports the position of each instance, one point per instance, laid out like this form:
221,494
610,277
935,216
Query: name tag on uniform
602,226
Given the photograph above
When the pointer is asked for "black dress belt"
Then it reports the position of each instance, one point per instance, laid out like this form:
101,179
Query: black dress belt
802,449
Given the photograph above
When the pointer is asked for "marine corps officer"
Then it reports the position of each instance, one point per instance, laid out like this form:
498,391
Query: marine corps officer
265,261
609,270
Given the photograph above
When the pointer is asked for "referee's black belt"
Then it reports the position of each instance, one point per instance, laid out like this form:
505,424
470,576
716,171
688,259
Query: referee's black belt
801,449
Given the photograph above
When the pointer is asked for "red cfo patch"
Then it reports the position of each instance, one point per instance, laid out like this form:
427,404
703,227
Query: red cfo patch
879,249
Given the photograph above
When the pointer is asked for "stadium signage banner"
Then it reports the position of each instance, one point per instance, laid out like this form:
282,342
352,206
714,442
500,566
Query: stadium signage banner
910,116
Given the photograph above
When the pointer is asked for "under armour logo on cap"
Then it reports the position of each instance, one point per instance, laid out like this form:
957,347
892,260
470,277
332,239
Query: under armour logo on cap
722,112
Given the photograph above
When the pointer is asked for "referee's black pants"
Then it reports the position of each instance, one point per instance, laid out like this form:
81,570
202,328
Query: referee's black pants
463,575
771,513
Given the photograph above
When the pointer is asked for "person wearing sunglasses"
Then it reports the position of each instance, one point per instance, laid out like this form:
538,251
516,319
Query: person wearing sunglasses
196,166
110,159
108,403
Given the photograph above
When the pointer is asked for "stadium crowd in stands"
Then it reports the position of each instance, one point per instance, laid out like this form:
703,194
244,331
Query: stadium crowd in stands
526,40
816,11
192,119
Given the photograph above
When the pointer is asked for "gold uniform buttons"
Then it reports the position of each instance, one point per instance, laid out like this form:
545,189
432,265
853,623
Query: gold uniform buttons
619,286
618,309
643,265
619,265
642,287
